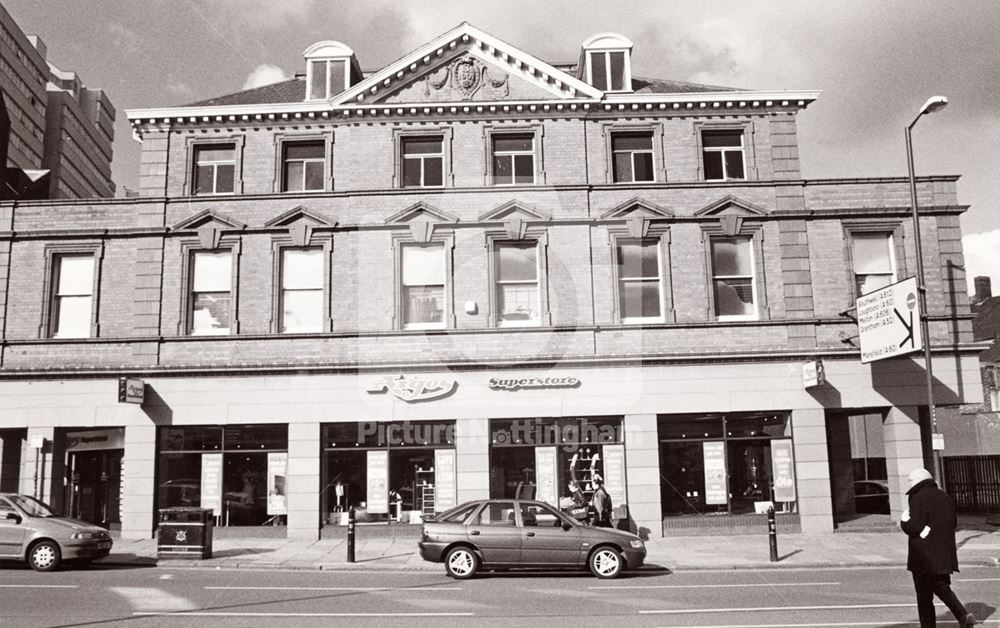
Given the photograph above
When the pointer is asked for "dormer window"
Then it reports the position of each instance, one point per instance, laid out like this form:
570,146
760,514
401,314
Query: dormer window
331,68
606,62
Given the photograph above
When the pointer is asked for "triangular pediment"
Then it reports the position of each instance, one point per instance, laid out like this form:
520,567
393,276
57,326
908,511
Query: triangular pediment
465,65
303,215
420,212
513,210
208,218
637,207
733,206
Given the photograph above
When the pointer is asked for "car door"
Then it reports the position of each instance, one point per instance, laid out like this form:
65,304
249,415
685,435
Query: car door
12,532
495,532
544,540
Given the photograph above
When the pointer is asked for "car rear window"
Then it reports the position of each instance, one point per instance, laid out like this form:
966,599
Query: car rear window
457,515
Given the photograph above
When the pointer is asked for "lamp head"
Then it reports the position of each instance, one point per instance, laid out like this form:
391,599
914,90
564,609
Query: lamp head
934,103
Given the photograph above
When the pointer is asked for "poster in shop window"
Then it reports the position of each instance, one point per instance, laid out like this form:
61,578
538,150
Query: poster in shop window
614,473
784,470
211,483
378,482
444,479
715,472
277,471
545,475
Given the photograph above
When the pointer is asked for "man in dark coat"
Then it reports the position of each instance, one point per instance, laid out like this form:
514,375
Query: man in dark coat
932,557
601,504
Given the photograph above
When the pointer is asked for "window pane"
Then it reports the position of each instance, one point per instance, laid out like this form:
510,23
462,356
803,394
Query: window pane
503,169
518,302
516,262
870,283
318,79
623,167
421,145
433,171
190,438
643,166
641,299
302,311
338,77
598,70
293,176
524,169
206,154
411,173
617,70
507,143
734,164
638,259
72,317
424,304
632,141
423,265
302,268
304,150
76,274
224,178
314,175
734,297
871,253
256,436
713,165
213,271
203,179
210,313
731,256
721,138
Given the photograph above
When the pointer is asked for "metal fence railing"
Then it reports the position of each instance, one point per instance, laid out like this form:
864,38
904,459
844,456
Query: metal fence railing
973,482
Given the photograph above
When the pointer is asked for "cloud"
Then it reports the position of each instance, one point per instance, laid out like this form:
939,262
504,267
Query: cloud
265,74
982,258
125,39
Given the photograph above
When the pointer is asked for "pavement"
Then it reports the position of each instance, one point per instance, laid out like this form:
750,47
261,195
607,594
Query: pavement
978,540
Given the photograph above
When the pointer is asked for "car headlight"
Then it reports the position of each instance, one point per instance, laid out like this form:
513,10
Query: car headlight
83,535
637,543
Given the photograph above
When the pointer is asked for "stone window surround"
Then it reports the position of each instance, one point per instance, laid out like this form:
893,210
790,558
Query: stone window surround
192,142
446,133
402,238
491,131
745,229
749,152
54,251
279,244
661,233
281,139
659,166
190,246
541,237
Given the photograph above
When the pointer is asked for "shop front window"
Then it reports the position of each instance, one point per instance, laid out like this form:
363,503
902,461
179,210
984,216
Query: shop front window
726,464
393,471
236,470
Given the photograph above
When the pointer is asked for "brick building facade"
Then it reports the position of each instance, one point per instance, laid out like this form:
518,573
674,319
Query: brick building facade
470,273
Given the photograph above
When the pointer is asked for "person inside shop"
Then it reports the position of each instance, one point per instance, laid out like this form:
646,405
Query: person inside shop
576,494
600,504
575,504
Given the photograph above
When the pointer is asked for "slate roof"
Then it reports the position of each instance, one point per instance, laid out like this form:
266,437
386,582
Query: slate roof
294,90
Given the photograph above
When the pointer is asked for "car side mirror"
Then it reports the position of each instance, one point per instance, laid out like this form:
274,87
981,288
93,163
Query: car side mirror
566,527
13,516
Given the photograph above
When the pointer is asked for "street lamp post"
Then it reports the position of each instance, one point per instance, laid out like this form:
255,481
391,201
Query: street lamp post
934,103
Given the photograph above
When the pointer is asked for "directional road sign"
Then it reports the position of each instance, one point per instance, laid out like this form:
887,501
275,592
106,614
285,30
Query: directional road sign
889,321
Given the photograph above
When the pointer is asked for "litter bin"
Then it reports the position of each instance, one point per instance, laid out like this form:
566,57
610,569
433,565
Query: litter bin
184,533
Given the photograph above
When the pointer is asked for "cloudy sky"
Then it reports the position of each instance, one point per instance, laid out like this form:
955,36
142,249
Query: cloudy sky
875,62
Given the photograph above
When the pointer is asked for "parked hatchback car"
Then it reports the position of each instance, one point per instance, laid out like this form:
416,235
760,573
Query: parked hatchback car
506,533
31,531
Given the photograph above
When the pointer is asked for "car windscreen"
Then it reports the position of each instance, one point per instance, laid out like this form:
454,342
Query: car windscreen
31,506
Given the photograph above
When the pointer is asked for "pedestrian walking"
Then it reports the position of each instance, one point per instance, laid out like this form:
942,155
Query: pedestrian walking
600,502
932,556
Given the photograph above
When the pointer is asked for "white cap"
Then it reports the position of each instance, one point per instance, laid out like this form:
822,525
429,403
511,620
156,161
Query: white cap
916,477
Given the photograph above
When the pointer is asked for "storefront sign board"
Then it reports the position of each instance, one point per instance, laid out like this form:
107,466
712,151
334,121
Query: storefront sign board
96,440
889,321
715,472
614,473
444,479
378,482
783,469
414,388
211,482
131,390
545,475
277,471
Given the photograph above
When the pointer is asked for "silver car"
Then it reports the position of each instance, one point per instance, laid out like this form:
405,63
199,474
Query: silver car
30,531
505,533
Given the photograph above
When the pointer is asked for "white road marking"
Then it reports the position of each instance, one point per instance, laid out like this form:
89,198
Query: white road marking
977,579
801,625
215,614
39,586
361,589
763,609
151,598
167,577
719,586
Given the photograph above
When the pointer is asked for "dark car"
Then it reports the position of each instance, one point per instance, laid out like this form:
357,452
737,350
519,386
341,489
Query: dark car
30,531
871,497
508,533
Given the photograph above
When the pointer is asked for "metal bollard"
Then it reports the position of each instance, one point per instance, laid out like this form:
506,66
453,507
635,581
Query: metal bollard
350,534
772,534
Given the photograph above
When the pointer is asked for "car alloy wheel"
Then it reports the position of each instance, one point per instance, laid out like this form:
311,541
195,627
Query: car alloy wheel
606,562
461,563
44,556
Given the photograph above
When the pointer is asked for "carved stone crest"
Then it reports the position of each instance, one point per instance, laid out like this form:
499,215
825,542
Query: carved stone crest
467,76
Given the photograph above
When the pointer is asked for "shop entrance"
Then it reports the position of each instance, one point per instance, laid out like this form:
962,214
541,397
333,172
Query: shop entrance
95,486
858,477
